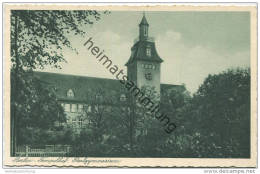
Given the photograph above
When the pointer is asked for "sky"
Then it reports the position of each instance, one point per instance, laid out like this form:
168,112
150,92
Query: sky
192,44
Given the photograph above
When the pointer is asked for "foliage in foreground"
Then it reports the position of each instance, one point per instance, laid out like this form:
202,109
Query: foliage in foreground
37,40
214,123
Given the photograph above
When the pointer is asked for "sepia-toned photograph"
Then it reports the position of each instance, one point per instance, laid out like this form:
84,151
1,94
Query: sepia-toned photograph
110,84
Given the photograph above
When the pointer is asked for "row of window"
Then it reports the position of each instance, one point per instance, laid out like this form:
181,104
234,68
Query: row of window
148,66
78,123
69,107
80,108
72,107
70,93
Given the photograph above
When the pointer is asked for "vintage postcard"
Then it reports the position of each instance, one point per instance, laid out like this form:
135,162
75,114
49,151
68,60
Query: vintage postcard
130,86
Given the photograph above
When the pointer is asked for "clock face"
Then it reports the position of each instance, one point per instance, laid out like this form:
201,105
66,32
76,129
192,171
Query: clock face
148,76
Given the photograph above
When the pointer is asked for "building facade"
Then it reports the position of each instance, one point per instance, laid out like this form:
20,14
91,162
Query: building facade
82,95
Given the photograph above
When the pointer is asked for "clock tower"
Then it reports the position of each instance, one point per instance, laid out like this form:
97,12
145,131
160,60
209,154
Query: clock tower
144,64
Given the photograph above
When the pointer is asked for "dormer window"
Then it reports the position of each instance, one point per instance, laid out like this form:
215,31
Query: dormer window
148,52
70,93
99,97
122,98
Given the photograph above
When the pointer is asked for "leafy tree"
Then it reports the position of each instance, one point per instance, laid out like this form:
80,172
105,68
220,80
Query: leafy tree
38,110
126,128
175,103
221,115
107,128
37,40
152,140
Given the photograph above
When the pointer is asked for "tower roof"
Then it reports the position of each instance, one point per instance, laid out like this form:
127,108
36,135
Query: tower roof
139,52
144,21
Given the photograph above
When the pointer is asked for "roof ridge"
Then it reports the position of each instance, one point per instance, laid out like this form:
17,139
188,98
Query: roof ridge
101,78
74,75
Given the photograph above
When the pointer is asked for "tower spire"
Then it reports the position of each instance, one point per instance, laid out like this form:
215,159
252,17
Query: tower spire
143,21
143,28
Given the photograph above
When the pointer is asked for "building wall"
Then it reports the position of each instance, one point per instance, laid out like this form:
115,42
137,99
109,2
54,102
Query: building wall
132,72
137,70
76,115
144,67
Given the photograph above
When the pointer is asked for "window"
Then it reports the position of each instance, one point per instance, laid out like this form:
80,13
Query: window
99,97
148,52
122,97
73,107
70,93
77,122
67,107
149,66
74,122
145,31
89,108
80,123
80,108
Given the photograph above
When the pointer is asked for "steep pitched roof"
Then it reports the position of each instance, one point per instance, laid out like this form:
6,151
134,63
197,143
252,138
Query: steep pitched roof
85,88
139,52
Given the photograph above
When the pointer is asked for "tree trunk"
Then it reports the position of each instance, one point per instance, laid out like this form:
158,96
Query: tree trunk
13,115
131,131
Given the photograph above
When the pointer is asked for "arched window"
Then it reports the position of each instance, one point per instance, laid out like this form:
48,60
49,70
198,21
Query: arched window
70,93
